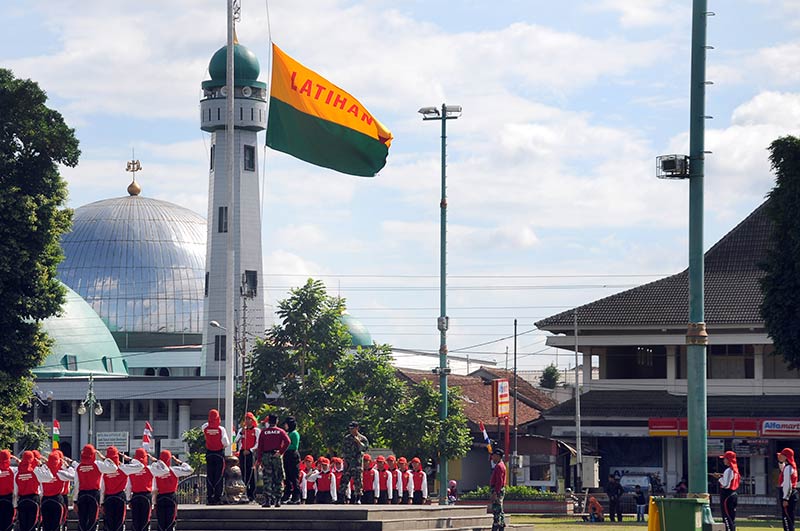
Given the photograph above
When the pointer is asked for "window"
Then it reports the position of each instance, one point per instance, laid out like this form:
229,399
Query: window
150,371
108,363
123,409
219,348
70,362
222,219
163,371
205,286
250,158
211,159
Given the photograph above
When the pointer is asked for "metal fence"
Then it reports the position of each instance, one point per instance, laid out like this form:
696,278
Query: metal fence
192,489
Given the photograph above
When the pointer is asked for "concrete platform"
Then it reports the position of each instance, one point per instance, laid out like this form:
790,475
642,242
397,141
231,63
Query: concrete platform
331,518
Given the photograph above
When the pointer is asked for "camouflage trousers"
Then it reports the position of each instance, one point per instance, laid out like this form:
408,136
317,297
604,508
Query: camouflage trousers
272,467
354,473
498,517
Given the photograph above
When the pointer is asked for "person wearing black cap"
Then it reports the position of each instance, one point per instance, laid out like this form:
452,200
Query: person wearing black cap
729,484
614,491
353,448
497,489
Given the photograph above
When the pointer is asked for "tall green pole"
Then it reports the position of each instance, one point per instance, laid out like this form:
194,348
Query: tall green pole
696,336
443,314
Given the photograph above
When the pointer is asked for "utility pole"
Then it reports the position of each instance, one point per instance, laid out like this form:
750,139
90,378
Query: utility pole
578,441
516,448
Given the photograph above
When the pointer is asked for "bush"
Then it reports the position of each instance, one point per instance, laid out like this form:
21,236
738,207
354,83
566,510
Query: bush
514,492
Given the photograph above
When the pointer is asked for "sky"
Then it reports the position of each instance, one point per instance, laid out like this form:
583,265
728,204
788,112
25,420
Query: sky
552,196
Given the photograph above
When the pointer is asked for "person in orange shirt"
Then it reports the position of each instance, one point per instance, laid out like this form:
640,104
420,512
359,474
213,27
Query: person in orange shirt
595,510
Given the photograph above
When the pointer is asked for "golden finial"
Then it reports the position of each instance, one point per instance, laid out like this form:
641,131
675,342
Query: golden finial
235,38
133,166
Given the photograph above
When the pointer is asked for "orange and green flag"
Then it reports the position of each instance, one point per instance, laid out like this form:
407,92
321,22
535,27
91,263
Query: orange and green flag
314,120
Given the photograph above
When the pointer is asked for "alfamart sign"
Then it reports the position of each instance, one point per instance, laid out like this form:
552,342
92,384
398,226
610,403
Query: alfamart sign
775,428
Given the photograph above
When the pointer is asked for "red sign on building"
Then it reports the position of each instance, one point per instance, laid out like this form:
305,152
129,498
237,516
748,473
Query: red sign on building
501,398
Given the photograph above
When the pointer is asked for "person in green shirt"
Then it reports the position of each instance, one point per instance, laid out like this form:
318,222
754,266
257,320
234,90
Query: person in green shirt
291,462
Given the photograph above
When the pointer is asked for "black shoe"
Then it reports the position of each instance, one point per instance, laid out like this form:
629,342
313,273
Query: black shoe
278,502
267,502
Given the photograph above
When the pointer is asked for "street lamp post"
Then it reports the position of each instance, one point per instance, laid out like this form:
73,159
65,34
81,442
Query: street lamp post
90,405
446,112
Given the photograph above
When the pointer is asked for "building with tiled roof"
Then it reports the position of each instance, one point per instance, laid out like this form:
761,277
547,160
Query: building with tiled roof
634,410
539,454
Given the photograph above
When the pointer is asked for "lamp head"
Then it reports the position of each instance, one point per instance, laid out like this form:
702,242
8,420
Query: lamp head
81,409
215,324
429,111
98,409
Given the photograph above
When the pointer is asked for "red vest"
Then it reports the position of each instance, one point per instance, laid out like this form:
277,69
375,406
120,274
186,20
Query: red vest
167,484
735,481
248,438
368,479
404,481
418,477
6,482
213,439
27,483
54,488
89,476
115,482
338,475
142,481
324,482
383,479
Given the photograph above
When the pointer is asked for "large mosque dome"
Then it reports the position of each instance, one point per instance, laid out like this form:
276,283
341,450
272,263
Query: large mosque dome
139,262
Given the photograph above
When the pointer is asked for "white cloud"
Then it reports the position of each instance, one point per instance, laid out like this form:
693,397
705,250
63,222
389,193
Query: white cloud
640,14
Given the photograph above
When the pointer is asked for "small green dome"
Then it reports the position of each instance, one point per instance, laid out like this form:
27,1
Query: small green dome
245,68
360,336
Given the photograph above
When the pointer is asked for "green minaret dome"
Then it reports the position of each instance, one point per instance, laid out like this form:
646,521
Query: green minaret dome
245,68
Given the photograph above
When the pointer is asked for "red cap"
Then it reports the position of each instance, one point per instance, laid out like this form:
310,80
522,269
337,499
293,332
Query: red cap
323,461
788,453
403,460
729,455
367,457
336,460
309,457
416,460
380,459
391,459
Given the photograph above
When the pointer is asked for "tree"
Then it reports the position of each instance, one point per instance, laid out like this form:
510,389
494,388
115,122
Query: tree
325,383
780,284
550,377
33,141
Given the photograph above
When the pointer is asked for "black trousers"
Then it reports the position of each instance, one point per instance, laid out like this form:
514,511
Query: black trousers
728,500
7,512
368,498
53,512
215,468
788,512
141,510
324,497
248,473
405,498
166,511
88,509
395,497
416,498
614,509
28,512
383,497
114,510
291,466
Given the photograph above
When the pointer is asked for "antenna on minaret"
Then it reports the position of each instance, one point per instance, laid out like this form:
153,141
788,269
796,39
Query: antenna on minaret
133,166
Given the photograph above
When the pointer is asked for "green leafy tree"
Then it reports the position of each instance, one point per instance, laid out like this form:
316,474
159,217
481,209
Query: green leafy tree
781,282
550,376
34,436
325,383
34,140
196,441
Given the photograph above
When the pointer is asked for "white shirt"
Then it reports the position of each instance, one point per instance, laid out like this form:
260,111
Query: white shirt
786,481
727,477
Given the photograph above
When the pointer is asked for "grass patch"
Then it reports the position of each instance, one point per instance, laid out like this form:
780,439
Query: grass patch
571,523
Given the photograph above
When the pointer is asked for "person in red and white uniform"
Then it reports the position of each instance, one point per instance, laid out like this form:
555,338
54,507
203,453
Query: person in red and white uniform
788,486
54,503
166,484
7,474
369,481
337,467
397,478
418,483
385,482
248,442
405,477
307,492
115,490
216,442
324,480
28,490
728,485
88,478
142,498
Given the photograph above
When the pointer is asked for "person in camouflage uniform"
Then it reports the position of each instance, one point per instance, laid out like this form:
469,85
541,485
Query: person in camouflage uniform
353,448
497,484
272,443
